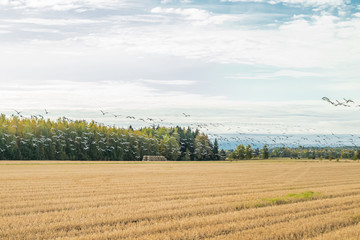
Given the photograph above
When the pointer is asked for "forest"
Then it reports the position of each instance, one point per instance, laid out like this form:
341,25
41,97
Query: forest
36,138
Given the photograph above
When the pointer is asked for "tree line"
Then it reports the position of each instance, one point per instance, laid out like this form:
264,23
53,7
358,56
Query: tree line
317,153
241,152
64,139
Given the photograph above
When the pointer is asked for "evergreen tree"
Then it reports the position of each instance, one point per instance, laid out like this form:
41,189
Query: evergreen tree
216,150
223,154
256,153
248,152
265,152
187,156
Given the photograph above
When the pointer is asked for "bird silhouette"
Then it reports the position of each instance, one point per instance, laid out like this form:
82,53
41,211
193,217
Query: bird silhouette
103,113
348,100
17,112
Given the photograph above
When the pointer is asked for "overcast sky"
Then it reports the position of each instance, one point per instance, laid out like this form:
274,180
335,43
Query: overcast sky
247,63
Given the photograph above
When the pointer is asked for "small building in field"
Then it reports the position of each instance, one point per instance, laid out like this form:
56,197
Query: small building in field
154,158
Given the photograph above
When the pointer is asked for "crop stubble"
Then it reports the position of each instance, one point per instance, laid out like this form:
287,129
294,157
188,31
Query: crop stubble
204,200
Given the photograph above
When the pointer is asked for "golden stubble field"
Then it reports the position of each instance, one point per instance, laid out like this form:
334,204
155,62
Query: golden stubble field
201,200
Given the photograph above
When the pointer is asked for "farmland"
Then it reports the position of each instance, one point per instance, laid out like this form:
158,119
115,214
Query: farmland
180,200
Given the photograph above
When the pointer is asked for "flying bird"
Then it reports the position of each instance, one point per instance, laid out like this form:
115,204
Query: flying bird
17,112
339,103
348,100
103,113
328,100
186,115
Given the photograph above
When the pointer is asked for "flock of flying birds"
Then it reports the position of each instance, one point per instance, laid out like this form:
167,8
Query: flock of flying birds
255,137
345,103
84,142
140,119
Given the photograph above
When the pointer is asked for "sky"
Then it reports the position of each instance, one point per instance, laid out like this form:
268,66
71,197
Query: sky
259,66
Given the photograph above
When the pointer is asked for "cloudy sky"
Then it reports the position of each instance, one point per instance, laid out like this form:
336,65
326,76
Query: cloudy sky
258,65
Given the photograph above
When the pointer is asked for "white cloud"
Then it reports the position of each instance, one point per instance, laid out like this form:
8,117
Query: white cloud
313,3
296,74
321,41
170,1
65,5
344,86
40,30
242,0
50,22
303,41
196,16
275,75
165,1
168,82
110,94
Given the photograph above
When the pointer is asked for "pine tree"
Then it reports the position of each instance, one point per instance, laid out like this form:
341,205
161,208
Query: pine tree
265,152
215,150
248,152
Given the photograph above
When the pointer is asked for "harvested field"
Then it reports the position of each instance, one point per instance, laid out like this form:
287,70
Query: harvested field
187,200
